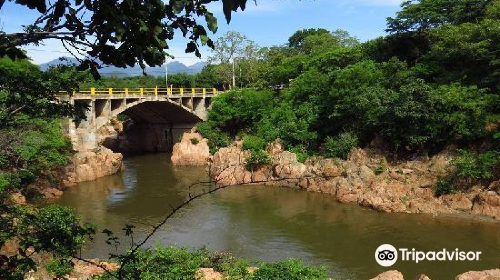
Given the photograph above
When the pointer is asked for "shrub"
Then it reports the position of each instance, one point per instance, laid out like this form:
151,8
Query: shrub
240,110
253,143
194,141
256,159
216,138
4,182
289,270
54,228
341,145
380,168
164,263
59,267
234,268
291,123
475,167
444,186
300,152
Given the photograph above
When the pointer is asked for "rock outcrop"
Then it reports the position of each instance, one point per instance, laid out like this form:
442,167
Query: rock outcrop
364,178
191,151
208,274
389,275
493,274
90,165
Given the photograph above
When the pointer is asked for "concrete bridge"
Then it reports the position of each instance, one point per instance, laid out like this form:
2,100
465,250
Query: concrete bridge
160,115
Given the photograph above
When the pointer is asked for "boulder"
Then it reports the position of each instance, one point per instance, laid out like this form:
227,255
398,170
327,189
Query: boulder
51,193
193,150
487,204
493,274
208,274
90,165
18,198
389,275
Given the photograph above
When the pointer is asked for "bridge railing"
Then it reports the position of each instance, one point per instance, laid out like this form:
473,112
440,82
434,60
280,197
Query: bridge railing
149,91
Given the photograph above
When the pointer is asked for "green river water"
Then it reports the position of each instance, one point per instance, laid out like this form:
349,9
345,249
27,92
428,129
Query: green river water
270,223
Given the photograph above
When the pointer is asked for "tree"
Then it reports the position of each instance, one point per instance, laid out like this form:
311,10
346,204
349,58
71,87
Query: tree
227,49
119,33
297,39
27,91
420,15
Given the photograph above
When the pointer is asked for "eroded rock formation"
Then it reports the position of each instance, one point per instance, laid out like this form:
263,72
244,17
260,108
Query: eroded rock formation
493,274
365,178
191,151
90,165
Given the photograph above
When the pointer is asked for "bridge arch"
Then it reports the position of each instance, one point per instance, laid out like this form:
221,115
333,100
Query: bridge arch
157,117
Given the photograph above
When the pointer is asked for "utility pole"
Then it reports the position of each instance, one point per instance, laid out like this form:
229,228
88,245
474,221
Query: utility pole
166,72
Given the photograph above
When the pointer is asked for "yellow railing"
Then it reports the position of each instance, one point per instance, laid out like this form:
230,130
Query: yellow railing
149,91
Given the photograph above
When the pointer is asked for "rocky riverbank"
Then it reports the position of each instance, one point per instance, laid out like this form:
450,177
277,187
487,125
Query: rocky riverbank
365,178
493,274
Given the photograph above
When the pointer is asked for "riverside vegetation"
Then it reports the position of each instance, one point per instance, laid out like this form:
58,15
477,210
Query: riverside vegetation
432,82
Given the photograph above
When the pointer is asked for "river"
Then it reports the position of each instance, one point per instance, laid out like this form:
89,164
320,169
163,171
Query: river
270,223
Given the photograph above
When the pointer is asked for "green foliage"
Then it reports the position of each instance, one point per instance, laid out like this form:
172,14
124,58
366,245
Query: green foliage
289,270
30,147
256,159
239,110
341,145
194,141
300,152
59,267
4,182
444,187
298,38
25,91
216,138
53,229
291,124
432,82
380,169
425,14
164,263
232,267
476,166
253,143
181,264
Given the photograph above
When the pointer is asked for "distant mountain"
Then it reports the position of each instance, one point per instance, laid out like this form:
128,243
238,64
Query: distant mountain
197,67
58,61
107,71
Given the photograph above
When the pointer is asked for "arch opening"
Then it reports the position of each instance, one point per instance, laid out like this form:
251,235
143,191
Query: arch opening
150,126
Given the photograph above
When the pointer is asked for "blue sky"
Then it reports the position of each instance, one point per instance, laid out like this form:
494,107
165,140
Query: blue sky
268,23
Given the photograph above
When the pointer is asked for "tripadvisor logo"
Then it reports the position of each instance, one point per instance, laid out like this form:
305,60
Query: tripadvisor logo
387,255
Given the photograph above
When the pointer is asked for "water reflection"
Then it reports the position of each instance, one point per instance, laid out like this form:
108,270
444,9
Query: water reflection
267,223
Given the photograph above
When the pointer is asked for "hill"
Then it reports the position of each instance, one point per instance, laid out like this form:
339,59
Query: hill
174,67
